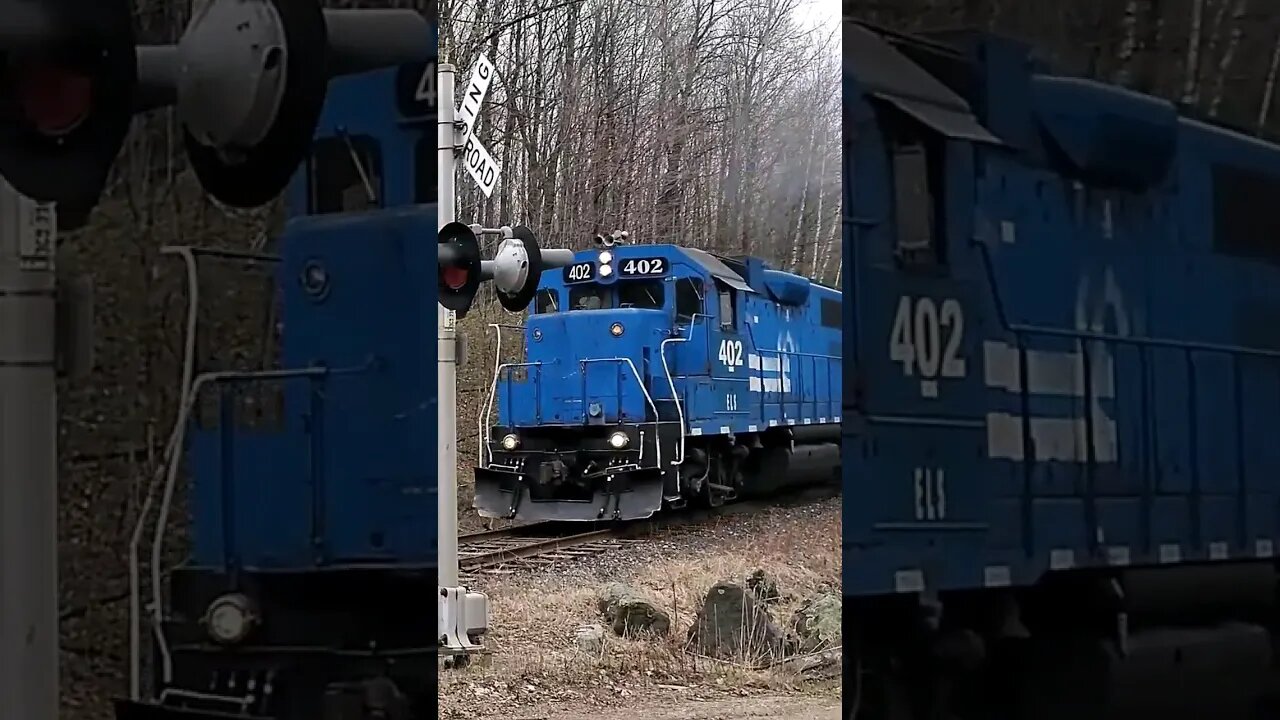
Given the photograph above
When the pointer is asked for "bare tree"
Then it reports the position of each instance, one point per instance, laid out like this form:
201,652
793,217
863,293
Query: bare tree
697,122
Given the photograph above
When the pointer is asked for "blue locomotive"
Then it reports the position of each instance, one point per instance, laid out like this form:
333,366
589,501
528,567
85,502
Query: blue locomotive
660,376
1061,315
307,589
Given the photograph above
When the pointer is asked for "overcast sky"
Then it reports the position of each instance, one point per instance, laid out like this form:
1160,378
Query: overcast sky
813,14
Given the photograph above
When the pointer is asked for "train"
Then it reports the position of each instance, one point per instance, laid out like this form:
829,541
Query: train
305,592
1060,480
659,377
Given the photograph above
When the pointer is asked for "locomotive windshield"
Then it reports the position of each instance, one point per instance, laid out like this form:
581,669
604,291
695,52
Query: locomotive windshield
588,297
645,294
642,294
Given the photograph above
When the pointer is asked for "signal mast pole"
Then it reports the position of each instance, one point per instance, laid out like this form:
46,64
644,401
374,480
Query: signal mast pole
515,270
446,349
28,459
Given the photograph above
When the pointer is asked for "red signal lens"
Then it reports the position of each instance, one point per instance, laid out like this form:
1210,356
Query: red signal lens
54,99
455,277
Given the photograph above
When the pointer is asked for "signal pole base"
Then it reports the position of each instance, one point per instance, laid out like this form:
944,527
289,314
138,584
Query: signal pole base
463,618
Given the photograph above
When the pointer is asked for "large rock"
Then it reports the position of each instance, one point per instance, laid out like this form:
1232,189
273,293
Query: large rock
816,625
630,613
734,625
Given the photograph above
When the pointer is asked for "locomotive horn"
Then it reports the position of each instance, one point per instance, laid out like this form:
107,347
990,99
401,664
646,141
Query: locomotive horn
617,237
458,273
67,78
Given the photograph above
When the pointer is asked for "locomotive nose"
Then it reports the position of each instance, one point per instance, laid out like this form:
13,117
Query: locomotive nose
596,366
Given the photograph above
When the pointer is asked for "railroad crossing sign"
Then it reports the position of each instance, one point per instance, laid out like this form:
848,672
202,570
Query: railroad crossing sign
479,163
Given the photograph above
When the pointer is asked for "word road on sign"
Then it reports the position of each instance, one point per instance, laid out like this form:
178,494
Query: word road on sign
481,165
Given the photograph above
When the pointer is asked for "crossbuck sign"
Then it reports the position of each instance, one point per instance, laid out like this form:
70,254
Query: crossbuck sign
479,163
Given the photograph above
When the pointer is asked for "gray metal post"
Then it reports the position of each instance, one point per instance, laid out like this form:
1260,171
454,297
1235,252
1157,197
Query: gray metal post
446,333
28,461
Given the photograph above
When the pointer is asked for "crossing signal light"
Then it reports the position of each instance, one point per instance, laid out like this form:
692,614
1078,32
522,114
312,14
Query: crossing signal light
68,71
458,257
515,269
248,79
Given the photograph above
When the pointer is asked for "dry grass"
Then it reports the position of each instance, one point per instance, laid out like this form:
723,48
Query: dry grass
534,616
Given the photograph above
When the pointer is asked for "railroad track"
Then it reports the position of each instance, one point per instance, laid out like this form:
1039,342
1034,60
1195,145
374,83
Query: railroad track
544,544
496,552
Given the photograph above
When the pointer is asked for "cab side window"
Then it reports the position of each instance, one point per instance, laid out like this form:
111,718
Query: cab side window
345,175
728,307
688,298
546,301
916,162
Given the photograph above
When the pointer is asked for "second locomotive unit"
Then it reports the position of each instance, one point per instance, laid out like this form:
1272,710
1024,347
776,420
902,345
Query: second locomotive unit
660,376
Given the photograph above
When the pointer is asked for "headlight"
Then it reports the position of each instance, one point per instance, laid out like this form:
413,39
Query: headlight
618,440
606,270
229,619
616,329
606,257
510,442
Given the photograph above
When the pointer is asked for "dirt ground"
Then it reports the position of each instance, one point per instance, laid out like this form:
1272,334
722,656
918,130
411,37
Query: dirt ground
673,707
537,672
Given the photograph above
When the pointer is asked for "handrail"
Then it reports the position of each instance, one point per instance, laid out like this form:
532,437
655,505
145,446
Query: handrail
1186,348
188,254
483,429
493,391
639,380
675,398
162,517
782,403
1046,331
